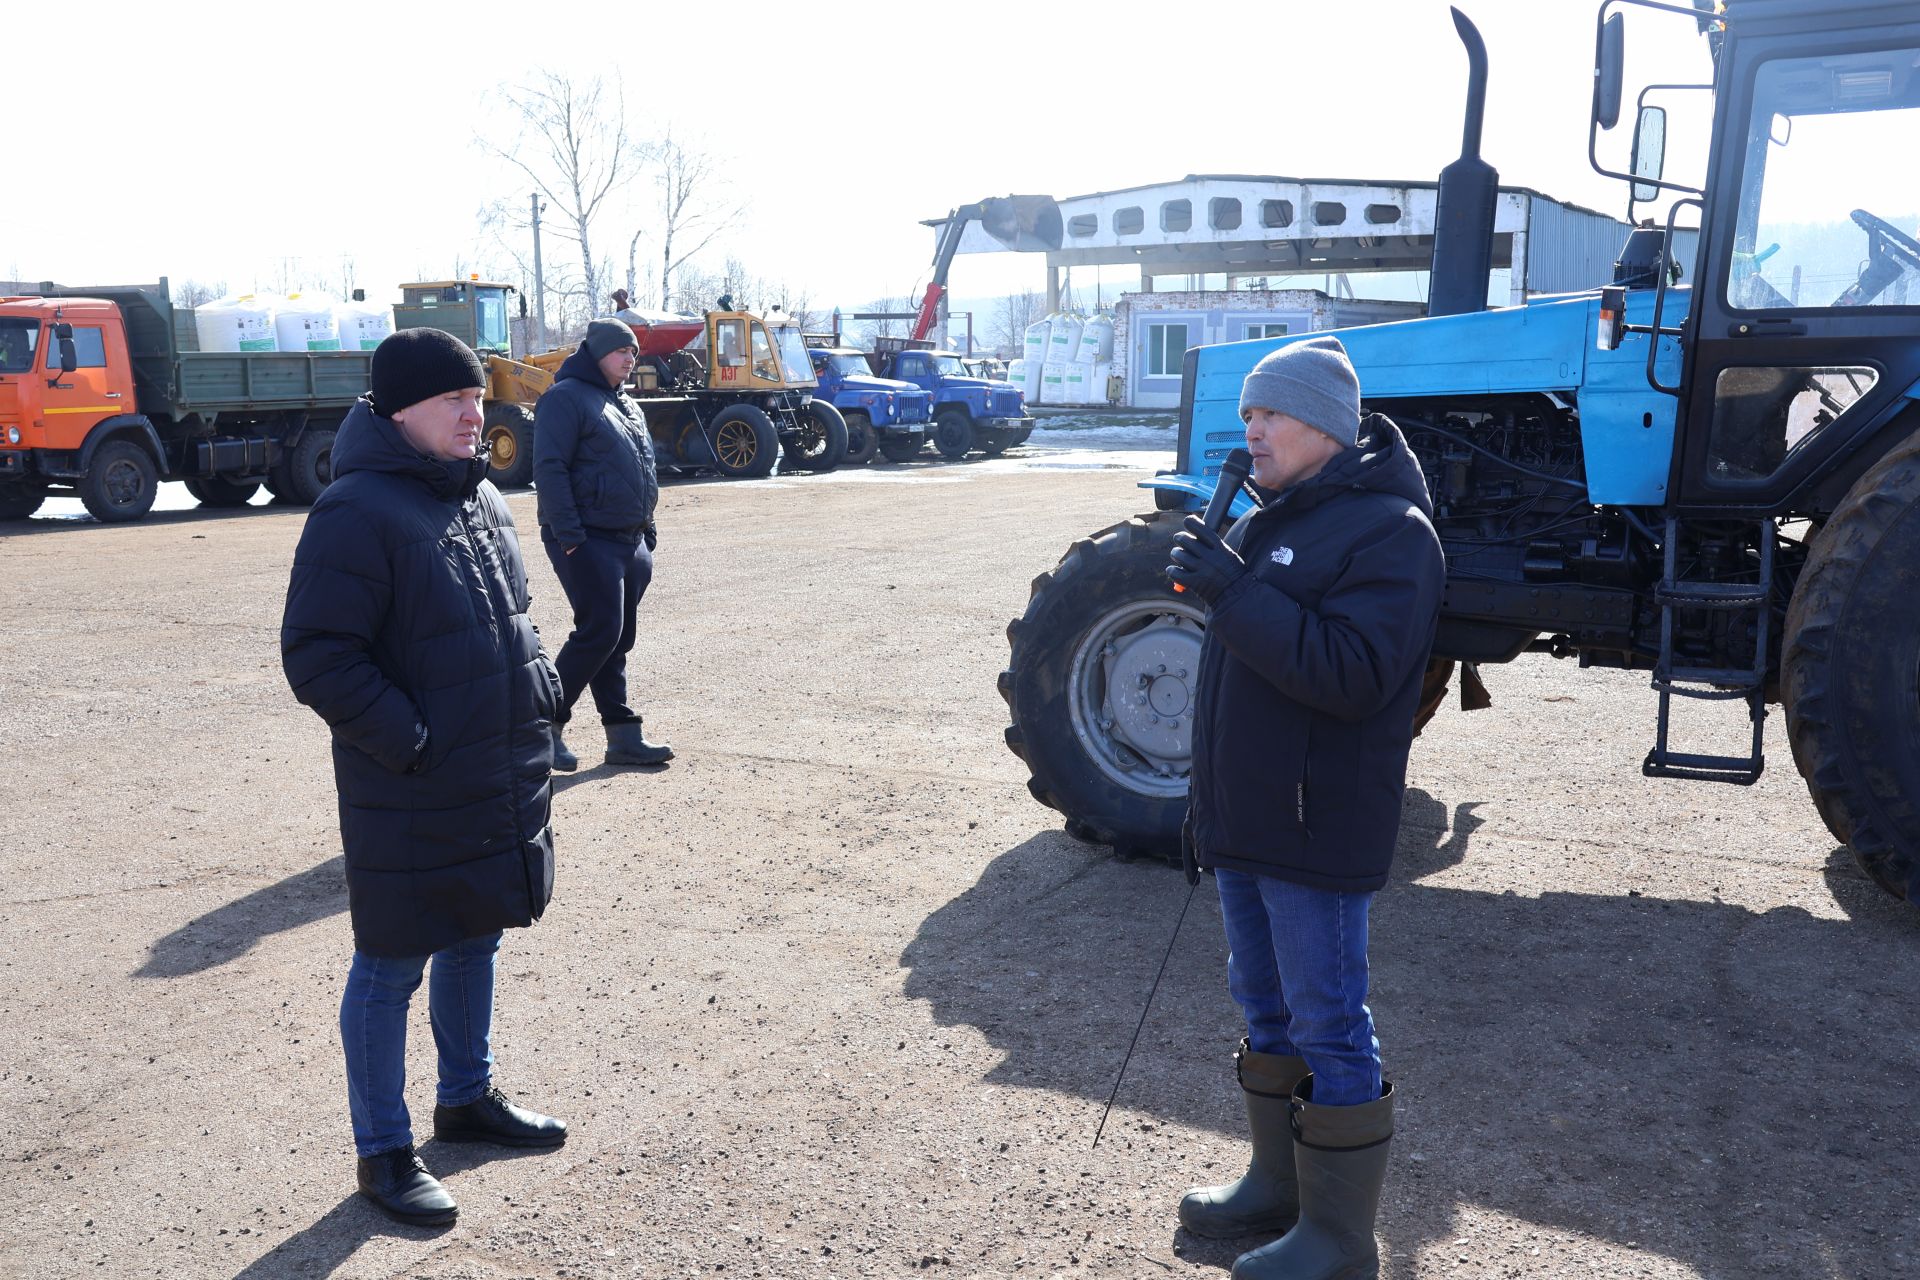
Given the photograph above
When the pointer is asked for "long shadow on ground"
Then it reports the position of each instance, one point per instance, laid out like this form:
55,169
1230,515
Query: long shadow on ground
1726,1088
231,930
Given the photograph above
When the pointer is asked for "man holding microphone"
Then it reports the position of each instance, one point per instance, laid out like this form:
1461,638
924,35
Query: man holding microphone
1322,607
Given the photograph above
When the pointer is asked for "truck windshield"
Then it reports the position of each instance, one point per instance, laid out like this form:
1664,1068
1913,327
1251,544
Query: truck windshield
850,365
17,341
793,354
950,367
490,319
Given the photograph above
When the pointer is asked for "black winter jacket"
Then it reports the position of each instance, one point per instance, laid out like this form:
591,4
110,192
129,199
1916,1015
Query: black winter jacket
592,458
1310,672
407,615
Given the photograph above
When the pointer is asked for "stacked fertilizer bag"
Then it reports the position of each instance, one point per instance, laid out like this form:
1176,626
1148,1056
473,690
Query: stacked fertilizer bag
1093,356
1063,339
296,322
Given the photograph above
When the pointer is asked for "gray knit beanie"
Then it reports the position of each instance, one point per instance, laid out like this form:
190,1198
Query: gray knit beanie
1312,381
604,337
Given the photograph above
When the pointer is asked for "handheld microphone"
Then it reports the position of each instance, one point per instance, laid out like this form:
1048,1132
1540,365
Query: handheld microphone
1233,474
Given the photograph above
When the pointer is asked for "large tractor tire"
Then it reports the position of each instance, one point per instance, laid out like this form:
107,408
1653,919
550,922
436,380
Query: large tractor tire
899,448
310,468
121,482
1850,672
18,501
744,442
821,442
952,433
509,435
862,440
217,491
1100,686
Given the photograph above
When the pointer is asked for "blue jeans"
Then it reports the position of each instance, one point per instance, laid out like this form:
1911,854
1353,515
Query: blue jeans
604,579
1297,967
373,1031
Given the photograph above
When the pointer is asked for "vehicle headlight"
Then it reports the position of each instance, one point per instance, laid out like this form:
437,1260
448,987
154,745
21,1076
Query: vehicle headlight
13,435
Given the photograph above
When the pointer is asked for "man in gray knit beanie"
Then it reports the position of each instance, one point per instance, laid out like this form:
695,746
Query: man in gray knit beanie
1309,383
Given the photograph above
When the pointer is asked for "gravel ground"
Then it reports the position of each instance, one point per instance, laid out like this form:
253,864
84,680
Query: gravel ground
830,996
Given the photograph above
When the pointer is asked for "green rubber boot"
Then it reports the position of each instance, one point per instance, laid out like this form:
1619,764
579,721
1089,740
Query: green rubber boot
1340,1157
1264,1199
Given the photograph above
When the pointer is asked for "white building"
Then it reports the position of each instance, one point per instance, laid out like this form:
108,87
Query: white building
1238,229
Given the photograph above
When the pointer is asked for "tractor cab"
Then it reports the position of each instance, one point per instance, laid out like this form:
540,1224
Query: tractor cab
748,353
474,311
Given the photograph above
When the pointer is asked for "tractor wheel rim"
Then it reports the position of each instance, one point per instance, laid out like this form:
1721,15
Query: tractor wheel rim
502,447
1130,695
734,444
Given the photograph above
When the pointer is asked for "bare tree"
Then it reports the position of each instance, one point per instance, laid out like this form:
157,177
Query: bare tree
572,142
193,293
1011,316
867,330
693,206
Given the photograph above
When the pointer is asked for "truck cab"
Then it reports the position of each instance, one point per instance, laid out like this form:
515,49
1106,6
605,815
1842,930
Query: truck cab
894,412
969,413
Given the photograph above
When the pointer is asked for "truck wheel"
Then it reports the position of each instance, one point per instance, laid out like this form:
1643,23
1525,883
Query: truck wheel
744,441
214,491
902,448
820,442
311,469
1850,672
121,482
508,431
995,442
862,440
18,501
1100,686
952,433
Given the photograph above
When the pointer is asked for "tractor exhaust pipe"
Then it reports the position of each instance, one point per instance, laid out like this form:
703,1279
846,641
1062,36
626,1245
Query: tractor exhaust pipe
1469,190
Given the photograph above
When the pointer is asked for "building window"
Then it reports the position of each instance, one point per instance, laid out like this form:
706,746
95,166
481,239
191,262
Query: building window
1329,213
1129,221
1176,215
1276,213
1082,225
1381,215
1266,329
1223,213
1166,348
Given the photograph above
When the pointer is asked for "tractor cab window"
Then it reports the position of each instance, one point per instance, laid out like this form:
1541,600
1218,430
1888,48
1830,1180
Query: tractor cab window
730,342
1762,413
18,338
763,365
793,354
1829,211
490,316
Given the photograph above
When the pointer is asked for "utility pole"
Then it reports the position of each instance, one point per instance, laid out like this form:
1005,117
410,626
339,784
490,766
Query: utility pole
539,281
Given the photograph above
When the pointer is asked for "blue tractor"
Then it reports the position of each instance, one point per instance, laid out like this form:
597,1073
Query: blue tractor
883,415
969,414
1715,481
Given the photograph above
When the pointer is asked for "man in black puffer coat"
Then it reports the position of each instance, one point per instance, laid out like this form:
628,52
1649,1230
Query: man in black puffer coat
1322,608
594,475
406,628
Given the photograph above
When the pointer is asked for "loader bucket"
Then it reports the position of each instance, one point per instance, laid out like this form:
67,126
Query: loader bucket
1028,224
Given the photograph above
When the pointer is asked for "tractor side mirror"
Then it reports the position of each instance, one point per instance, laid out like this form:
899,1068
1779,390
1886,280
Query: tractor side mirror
69,360
1649,152
1609,71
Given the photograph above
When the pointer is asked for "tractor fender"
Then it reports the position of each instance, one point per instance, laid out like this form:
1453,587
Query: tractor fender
1200,487
128,426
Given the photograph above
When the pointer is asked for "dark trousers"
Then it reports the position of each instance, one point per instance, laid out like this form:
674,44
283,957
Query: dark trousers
604,579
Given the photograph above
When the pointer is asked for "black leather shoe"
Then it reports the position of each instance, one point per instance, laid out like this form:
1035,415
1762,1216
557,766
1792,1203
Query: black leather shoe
491,1118
399,1183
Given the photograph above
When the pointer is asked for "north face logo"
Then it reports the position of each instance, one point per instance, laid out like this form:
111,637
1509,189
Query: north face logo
1283,555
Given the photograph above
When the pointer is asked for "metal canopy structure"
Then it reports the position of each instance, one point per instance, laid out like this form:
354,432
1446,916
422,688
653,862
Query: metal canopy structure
1249,225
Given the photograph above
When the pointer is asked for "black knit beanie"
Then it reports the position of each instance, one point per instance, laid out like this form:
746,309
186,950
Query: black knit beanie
419,364
604,337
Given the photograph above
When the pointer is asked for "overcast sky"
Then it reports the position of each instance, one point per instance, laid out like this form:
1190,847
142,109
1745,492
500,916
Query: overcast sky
213,140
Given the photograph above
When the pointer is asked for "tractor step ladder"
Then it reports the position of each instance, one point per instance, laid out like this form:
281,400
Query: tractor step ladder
1713,684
